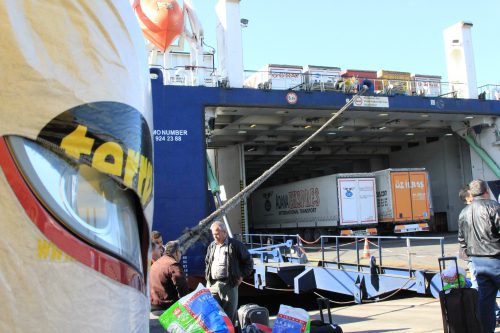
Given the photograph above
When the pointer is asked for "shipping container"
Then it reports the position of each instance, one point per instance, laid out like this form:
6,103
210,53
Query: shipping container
320,77
328,202
393,82
360,76
403,199
359,73
272,76
393,75
426,85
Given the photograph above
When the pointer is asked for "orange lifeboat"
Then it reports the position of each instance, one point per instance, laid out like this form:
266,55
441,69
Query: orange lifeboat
161,21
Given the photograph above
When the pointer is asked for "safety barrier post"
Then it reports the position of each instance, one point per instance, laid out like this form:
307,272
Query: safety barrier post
379,244
408,244
357,251
322,252
337,248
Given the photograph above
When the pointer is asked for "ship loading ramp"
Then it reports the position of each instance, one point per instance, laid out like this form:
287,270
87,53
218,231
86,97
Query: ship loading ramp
341,265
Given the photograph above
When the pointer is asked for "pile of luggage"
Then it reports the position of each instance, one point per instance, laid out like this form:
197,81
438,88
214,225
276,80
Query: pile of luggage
255,319
199,312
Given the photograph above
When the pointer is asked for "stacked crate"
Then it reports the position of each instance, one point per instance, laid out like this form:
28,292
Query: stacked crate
321,77
360,75
426,85
273,76
394,82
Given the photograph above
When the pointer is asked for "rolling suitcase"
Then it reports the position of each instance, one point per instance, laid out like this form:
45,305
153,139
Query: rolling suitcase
459,306
320,326
253,314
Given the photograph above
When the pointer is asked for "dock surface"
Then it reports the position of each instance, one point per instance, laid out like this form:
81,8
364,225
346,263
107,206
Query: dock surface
411,314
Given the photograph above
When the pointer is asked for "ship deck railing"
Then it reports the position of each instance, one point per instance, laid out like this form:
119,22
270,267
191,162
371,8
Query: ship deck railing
276,80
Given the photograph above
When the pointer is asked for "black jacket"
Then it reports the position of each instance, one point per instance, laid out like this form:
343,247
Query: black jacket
479,228
240,261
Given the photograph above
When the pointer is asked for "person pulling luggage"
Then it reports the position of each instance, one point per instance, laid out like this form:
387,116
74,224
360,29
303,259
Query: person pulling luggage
478,234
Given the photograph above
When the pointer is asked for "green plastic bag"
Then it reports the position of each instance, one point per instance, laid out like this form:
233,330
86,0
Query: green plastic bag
197,312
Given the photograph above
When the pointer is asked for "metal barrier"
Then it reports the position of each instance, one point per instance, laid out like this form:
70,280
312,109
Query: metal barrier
270,239
379,239
364,281
489,92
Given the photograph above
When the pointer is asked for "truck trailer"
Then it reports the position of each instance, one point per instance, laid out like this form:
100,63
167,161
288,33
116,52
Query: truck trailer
317,206
404,201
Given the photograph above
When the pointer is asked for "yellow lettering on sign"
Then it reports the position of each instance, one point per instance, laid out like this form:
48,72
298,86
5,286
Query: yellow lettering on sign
145,179
76,142
43,249
148,187
56,253
108,149
48,251
109,158
131,167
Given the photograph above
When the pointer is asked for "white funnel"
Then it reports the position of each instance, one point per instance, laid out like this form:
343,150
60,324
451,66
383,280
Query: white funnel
229,43
460,59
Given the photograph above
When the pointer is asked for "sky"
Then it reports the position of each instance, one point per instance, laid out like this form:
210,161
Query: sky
404,35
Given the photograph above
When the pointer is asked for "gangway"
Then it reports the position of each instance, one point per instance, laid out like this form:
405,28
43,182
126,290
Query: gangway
337,266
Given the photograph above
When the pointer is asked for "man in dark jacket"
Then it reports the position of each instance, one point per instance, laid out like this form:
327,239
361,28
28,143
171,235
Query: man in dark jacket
226,264
479,234
166,278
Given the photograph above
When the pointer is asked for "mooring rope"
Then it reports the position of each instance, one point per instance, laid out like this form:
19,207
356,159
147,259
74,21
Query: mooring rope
191,235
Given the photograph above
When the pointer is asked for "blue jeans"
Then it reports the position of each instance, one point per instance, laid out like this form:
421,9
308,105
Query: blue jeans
473,280
488,280
472,271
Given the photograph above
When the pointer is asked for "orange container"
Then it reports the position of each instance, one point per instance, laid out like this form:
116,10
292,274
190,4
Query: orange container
409,196
393,75
403,195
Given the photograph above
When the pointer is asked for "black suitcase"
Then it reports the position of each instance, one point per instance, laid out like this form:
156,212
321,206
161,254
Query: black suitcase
459,306
320,326
253,313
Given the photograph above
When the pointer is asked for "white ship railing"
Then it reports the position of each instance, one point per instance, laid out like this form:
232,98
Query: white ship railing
273,80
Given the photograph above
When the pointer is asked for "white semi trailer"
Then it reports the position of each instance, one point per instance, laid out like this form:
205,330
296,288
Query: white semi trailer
317,206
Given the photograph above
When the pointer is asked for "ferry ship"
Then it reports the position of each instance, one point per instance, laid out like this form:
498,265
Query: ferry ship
246,121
